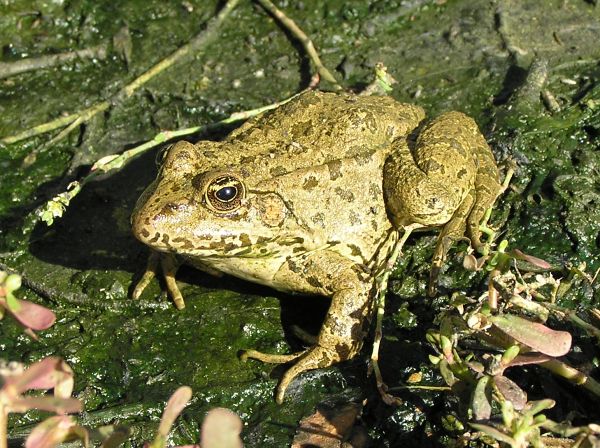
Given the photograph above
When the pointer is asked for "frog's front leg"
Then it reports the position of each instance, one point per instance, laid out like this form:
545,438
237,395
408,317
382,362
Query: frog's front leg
168,265
350,287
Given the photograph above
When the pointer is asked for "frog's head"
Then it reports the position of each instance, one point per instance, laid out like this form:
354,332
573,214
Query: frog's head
198,208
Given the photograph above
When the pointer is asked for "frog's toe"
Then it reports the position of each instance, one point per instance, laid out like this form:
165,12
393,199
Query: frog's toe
315,358
147,276
141,285
269,358
169,266
439,257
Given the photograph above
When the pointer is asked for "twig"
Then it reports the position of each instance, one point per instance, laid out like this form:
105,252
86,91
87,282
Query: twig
307,44
198,41
25,65
40,129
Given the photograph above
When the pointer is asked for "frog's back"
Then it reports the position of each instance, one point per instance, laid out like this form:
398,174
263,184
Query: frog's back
317,128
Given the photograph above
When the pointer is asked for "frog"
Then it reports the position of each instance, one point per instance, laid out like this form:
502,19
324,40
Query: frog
312,198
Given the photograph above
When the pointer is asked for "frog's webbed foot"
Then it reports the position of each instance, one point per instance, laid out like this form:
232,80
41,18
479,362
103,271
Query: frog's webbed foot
278,359
313,358
168,264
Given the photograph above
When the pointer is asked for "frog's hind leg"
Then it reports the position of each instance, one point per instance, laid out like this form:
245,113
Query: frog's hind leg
449,179
429,183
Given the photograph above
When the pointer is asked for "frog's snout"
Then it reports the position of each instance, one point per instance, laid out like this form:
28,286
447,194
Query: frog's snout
155,220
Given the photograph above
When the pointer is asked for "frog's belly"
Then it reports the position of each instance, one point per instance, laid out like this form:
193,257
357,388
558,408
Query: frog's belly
264,270
256,270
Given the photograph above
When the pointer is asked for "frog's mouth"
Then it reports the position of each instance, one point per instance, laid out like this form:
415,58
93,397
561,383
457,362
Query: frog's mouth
156,229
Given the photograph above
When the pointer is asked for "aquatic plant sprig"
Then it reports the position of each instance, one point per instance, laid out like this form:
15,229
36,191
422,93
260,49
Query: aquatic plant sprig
49,373
220,429
509,332
56,207
518,429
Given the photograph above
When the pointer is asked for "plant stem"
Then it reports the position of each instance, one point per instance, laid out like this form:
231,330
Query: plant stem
382,284
573,375
115,162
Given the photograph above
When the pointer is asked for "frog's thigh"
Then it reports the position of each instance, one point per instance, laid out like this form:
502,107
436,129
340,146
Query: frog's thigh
343,330
427,186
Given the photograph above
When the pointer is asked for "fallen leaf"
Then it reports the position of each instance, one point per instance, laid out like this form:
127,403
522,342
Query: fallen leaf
123,45
329,427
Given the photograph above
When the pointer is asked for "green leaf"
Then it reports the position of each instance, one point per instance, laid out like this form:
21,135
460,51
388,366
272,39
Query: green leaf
535,335
12,303
481,402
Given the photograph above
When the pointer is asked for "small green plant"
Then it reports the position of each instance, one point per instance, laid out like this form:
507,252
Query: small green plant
220,429
478,339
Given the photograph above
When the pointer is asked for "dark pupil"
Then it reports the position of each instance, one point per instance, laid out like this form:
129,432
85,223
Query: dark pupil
226,193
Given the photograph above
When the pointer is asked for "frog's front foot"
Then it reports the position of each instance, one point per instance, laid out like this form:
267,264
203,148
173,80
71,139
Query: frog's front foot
313,358
168,265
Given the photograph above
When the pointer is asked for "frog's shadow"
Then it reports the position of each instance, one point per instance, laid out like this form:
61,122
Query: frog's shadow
94,233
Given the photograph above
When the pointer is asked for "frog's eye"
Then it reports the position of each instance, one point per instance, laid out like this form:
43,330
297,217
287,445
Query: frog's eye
225,193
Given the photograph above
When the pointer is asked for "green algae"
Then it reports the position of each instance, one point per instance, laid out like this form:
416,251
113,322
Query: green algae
129,356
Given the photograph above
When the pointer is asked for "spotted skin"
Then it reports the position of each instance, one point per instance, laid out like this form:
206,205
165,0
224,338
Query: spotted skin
310,198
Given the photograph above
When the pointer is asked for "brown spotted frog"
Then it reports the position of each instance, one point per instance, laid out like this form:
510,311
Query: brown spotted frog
311,198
